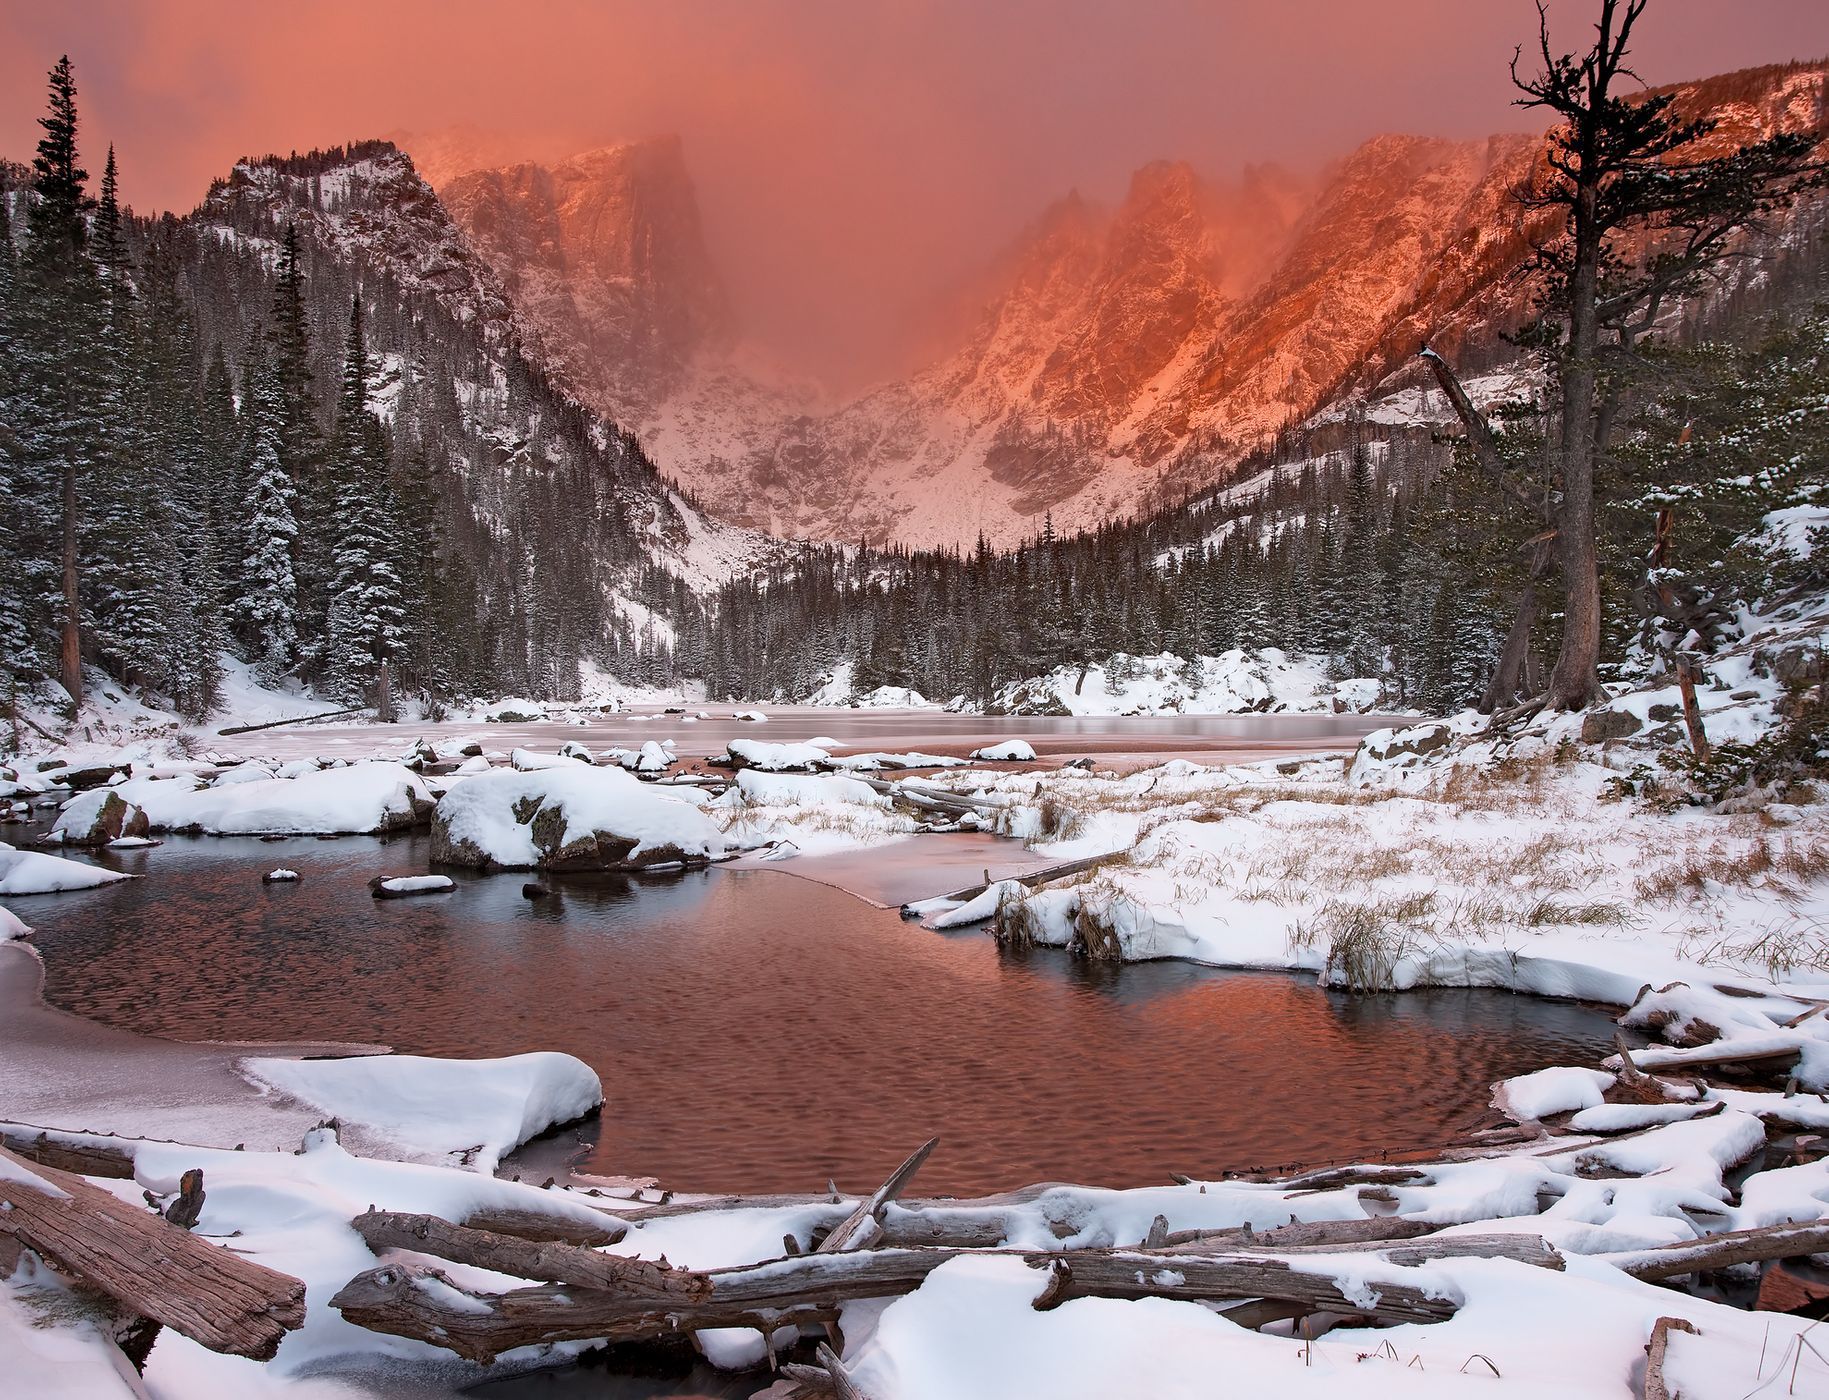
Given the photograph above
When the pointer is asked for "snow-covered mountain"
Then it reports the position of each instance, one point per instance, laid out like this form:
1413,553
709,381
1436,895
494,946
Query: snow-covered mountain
1120,358
365,217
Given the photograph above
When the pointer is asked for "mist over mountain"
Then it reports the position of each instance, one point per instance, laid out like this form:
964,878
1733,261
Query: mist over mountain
1107,362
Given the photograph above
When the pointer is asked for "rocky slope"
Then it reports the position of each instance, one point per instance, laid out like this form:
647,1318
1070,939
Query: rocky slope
1121,358
441,320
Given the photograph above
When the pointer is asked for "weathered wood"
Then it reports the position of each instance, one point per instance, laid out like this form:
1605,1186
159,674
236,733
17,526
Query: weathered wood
71,1152
1724,1250
1361,1174
1367,1230
1688,671
1032,878
412,1302
1779,1058
211,1295
187,1209
861,1228
1520,1248
842,1384
553,1261
545,1227
1656,1350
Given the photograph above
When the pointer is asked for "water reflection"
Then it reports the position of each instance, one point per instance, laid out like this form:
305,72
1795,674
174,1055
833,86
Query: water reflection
736,1016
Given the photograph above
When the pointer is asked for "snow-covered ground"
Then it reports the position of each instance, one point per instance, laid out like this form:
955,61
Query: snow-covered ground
1534,857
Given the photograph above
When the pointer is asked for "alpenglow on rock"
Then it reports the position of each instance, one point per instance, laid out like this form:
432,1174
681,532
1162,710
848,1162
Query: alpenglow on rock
570,818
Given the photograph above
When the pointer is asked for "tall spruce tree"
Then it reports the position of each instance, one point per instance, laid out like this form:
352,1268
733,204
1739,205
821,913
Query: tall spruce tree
368,606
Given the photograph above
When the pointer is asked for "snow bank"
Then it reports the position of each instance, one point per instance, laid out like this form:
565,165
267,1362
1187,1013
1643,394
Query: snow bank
568,818
12,926
802,790
34,872
479,1110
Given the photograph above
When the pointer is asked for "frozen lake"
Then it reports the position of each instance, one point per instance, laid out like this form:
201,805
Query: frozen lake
1152,738
760,1032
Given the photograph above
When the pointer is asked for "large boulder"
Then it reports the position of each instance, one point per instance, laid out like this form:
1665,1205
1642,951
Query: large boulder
571,818
1598,726
95,818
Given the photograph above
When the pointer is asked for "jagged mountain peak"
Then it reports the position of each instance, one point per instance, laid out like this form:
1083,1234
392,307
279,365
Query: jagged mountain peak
604,258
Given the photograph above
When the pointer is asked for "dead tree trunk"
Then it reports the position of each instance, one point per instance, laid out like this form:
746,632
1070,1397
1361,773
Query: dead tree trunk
153,1269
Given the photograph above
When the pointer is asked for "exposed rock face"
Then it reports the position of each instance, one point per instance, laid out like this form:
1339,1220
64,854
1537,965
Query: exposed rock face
1120,358
603,259
99,822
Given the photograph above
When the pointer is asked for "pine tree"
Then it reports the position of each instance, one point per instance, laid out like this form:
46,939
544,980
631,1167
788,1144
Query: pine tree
58,333
269,587
368,609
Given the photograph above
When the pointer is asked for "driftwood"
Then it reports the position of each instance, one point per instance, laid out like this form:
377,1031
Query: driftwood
1778,1058
151,1268
1724,1250
1656,1349
555,1261
600,1296
1296,1234
543,1226
864,1226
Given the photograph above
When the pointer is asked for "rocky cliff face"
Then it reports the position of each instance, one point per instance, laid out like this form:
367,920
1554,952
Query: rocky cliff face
603,260
1120,357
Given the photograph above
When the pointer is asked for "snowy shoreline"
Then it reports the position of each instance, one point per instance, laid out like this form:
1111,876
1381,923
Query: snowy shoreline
1250,866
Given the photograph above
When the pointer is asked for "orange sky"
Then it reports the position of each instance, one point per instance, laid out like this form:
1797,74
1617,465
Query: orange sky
852,156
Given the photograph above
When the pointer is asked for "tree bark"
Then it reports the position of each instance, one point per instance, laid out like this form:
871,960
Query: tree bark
153,1269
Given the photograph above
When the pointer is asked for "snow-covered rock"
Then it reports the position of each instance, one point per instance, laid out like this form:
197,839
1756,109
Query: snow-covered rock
1559,1089
776,758
358,798
649,758
568,818
405,886
34,872
98,817
527,761
1009,751
480,1110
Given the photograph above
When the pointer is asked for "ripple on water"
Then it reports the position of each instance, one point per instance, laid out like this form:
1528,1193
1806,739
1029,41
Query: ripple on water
758,1032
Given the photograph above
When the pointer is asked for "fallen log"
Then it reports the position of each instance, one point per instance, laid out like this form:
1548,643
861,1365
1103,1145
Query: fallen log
1358,1231
296,719
1723,1251
1778,1058
552,1260
423,1304
151,1268
80,1153
544,1227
